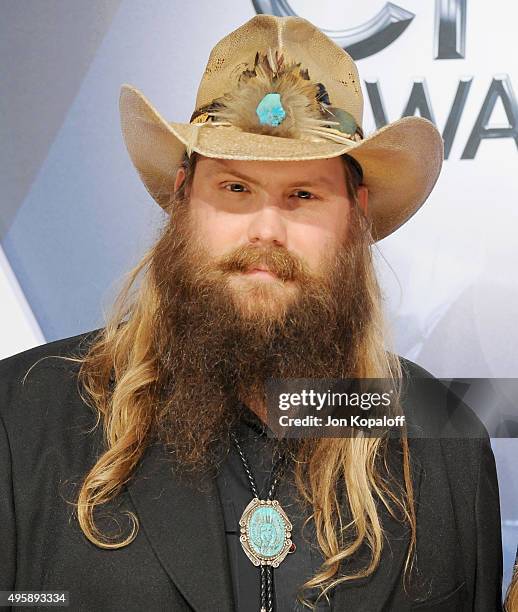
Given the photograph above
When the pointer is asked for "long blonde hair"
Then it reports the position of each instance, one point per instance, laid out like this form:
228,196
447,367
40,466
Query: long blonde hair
511,598
118,377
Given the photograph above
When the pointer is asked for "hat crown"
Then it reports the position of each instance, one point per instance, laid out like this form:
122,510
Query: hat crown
297,39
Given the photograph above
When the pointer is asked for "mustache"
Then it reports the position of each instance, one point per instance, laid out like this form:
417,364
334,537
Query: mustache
285,265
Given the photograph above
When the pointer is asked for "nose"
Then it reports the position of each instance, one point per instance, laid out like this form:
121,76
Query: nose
267,226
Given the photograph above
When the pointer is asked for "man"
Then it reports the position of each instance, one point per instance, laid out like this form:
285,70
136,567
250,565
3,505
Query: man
138,470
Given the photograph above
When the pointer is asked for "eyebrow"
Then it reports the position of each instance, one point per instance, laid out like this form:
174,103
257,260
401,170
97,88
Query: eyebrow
322,181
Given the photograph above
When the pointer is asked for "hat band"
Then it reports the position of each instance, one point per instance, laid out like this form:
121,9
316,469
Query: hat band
341,128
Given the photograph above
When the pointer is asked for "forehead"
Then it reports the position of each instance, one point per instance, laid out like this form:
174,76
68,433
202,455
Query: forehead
327,173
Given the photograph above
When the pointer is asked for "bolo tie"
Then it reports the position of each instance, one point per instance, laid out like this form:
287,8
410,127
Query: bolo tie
265,530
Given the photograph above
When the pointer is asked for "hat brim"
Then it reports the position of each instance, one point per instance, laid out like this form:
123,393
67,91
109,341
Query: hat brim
401,161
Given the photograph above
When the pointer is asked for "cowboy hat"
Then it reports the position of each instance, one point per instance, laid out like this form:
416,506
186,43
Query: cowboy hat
278,89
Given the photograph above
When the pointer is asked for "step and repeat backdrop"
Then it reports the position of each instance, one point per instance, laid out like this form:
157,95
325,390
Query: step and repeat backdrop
74,215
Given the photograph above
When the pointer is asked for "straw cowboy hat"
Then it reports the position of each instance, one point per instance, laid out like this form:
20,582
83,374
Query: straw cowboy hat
278,89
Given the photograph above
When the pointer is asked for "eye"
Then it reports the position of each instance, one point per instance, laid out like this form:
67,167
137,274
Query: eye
235,187
304,195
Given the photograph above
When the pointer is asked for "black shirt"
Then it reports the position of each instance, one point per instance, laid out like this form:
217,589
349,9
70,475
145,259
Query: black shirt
235,494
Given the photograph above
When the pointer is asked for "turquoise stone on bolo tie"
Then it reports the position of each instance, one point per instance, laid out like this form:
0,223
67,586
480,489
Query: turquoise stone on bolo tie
265,532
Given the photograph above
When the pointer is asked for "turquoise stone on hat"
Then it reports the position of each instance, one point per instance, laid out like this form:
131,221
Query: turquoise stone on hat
270,110
346,120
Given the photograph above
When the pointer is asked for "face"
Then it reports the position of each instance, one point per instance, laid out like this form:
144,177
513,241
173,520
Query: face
283,221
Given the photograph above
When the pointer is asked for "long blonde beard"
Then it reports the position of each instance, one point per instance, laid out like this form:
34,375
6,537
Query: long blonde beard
233,350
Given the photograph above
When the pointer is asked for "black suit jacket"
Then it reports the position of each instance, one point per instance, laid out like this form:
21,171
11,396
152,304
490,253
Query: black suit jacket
178,560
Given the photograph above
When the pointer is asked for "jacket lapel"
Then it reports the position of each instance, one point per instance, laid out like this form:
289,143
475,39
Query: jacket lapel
185,528
371,594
